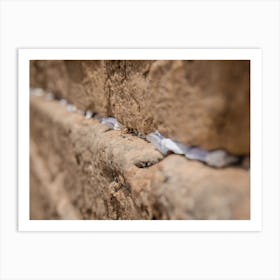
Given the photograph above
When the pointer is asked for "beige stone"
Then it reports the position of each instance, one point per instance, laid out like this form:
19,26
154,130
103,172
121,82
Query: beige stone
200,103
83,170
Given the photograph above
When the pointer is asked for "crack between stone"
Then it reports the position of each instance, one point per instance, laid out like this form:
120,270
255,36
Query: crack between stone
166,146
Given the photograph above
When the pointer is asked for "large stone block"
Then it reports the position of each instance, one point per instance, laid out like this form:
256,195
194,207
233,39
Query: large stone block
82,170
200,103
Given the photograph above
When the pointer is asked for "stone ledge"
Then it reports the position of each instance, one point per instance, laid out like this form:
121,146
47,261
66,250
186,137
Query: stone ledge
96,175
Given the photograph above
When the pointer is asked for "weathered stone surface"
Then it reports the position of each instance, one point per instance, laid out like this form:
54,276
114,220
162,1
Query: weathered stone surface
83,170
190,190
200,103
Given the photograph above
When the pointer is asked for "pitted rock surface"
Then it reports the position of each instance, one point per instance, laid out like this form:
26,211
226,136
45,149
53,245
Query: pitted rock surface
198,103
82,170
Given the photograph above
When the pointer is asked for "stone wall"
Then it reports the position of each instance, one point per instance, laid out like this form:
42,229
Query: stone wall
80,170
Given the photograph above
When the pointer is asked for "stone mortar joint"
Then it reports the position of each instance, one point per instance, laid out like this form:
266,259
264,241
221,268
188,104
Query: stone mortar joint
215,158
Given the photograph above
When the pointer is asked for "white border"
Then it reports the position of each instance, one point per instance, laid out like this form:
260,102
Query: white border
254,55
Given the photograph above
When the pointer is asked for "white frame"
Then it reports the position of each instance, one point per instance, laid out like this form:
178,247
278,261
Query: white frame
254,224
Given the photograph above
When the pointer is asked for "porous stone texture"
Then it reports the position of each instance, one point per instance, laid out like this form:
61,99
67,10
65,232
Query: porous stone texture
82,170
199,103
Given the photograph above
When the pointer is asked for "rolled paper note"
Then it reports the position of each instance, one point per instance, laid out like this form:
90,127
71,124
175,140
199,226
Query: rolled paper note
156,139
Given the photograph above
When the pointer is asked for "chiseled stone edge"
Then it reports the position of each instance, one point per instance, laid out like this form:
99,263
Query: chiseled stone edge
150,188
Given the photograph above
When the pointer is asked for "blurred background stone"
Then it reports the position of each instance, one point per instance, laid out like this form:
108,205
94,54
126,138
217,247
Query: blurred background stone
200,103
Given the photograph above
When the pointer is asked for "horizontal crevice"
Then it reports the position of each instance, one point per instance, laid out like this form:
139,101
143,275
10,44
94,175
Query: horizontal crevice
216,158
